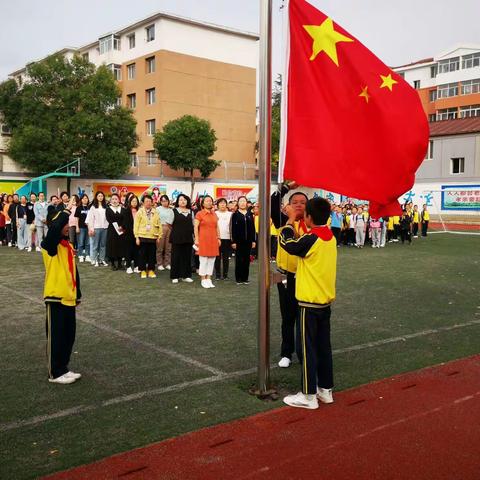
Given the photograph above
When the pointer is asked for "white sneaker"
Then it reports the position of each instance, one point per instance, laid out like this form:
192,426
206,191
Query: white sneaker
63,380
325,395
136,270
210,283
38,249
87,258
161,268
301,400
9,244
187,280
168,267
175,280
74,375
95,264
104,263
205,284
81,259
129,270
284,362
29,249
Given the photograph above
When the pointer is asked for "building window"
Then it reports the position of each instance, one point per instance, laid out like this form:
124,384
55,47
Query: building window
471,61
5,130
119,102
429,155
150,64
450,65
448,90
85,56
150,94
470,111
106,44
457,166
132,100
433,95
150,127
447,114
116,70
150,33
432,117
471,86
133,159
131,41
151,157
416,84
131,71
433,71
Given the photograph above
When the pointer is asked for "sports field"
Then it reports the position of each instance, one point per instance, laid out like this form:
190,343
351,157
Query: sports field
160,359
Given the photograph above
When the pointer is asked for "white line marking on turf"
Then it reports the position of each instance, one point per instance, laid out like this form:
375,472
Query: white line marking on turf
126,336
218,377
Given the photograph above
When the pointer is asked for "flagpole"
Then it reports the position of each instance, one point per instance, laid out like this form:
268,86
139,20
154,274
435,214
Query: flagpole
265,114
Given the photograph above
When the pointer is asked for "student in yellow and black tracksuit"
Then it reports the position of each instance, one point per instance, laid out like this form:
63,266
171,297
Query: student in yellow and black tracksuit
62,295
425,220
287,264
315,291
415,221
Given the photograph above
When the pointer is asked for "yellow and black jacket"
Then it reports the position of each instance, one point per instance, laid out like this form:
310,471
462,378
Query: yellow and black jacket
317,264
286,263
62,282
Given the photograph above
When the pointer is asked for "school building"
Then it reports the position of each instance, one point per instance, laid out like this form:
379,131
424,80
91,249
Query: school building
168,66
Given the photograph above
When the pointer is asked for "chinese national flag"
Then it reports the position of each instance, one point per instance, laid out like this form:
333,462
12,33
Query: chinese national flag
350,124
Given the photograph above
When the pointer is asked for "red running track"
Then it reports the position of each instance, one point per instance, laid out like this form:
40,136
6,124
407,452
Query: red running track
420,425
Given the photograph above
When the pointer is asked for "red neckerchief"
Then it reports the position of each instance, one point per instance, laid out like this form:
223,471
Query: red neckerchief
323,233
303,227
71,263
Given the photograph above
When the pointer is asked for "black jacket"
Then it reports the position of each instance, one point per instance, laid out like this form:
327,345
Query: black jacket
243,227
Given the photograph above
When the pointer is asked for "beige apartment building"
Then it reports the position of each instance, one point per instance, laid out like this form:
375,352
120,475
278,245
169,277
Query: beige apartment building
168,66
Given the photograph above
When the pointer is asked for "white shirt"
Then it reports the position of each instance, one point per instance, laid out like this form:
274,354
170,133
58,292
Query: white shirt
224,224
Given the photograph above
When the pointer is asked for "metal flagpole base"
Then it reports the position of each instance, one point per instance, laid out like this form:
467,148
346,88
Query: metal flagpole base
269,395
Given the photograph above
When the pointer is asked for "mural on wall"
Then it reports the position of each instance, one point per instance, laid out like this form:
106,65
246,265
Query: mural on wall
461,197
137,189
10,187
232,192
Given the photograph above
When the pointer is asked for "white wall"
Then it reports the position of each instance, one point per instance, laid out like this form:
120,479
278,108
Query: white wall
188,39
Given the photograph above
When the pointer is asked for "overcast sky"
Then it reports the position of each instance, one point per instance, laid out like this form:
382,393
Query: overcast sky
397,31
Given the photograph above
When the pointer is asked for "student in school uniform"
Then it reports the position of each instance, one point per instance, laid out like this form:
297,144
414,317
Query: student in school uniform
360,228
316,252
415,221
405,227
287,264
62,295
396,228
425,220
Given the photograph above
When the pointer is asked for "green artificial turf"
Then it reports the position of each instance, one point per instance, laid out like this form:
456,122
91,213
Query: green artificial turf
128,329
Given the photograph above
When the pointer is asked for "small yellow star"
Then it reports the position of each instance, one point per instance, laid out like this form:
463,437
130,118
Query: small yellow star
388,82
325,39
365,94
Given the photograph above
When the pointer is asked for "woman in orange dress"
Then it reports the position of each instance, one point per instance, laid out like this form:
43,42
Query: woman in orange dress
207,240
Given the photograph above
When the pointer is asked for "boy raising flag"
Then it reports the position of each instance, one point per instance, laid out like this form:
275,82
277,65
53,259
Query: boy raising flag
315,292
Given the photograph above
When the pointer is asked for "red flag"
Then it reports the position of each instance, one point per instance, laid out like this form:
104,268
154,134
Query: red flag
350,124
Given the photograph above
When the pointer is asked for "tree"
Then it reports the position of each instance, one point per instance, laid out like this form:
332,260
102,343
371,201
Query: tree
68,109
187,144
276,120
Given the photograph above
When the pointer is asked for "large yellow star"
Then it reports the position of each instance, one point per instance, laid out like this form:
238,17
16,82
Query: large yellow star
365,94
388,82
325,39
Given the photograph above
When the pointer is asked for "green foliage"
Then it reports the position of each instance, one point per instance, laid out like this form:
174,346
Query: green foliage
67,109
276,120
187,144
